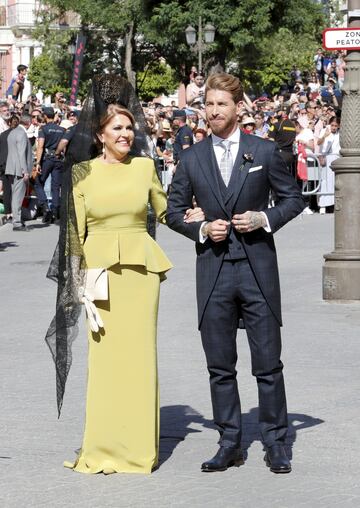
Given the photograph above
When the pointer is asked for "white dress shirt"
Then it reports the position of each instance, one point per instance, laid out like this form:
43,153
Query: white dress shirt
219,150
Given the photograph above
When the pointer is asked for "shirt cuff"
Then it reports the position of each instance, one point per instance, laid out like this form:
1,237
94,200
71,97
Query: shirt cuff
202,238
267,227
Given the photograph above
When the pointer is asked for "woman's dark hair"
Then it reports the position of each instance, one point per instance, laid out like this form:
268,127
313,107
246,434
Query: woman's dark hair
201,131
13,121
335,119
260,114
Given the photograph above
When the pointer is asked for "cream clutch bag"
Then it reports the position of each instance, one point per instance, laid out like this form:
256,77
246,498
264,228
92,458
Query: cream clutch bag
96,284
96,288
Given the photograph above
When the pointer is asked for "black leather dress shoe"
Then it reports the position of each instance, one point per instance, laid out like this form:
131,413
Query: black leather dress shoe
225,457
47,216
277,460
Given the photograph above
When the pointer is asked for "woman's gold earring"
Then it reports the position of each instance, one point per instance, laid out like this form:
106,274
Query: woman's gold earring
103,149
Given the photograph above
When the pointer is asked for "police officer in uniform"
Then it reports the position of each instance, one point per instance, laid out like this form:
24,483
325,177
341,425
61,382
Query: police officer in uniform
282,131
49,164
184,136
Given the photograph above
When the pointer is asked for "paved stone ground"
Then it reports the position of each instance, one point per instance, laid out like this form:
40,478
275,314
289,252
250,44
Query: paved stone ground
321,350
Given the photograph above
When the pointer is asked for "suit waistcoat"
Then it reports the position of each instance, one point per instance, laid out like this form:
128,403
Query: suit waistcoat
234,248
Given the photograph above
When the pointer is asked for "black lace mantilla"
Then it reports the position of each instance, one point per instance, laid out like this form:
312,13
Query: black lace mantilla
68,267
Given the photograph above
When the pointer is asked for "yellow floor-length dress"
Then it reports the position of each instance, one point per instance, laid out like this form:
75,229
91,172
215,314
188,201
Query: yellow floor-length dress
122,407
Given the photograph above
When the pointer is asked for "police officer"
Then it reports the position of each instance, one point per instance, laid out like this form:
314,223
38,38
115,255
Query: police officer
66,139
184,136
282,131
49,164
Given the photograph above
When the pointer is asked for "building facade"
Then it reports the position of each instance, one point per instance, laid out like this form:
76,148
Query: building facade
17,20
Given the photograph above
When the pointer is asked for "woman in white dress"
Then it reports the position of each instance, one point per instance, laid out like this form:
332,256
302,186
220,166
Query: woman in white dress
329,143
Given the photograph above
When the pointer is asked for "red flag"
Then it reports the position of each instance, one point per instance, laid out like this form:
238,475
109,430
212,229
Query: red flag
301,163
78,61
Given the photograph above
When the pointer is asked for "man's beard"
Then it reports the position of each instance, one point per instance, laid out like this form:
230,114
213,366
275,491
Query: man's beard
223,128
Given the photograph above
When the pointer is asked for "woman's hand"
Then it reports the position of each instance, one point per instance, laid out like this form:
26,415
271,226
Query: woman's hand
194,215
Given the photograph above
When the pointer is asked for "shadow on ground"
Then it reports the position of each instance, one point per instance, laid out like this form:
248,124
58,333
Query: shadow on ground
6,245
176,424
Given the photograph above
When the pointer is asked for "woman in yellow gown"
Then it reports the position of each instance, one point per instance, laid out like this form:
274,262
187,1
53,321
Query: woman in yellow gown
122,408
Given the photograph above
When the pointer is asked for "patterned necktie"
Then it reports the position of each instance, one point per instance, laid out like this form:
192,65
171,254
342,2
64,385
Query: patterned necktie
226,163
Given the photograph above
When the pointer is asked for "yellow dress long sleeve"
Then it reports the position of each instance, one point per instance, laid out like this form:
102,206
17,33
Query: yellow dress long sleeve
122,408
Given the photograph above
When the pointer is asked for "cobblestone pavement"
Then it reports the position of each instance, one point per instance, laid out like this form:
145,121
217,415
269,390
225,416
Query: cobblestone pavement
321,350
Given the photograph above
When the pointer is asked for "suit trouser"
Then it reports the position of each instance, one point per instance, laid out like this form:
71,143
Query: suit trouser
18,190
54,167
236,290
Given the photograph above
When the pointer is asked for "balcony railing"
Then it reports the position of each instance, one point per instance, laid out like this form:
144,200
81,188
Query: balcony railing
2,15
25,15
21,14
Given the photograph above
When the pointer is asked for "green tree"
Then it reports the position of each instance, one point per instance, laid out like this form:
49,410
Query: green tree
44,74
259,40
157,79
50,71
247,39
114,26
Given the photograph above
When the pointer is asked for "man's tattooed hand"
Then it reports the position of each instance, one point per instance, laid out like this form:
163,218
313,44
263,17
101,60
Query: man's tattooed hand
248,221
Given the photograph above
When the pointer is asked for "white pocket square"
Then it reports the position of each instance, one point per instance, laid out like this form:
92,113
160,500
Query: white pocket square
255,168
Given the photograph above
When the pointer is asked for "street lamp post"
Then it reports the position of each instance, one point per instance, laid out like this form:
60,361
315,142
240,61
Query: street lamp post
201,43
341,270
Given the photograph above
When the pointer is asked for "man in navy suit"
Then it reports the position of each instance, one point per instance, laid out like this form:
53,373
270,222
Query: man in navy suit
230,174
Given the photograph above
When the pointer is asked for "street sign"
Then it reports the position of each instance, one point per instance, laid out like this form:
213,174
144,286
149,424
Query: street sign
341,38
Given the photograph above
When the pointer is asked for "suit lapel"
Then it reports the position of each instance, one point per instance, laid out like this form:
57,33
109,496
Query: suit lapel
209,167
240,170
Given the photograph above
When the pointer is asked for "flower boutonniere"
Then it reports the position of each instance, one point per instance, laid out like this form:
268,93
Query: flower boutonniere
247,157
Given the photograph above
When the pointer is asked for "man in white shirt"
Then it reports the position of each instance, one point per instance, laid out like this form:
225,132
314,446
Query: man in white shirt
230,175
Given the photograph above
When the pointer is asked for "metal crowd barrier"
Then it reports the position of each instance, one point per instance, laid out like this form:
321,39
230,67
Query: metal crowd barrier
316,172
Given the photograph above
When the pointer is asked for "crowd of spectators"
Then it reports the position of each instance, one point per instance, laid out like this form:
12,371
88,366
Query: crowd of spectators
33,141
303,119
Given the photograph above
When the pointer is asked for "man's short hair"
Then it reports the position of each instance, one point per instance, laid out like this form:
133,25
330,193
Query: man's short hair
4,103
21,67
226,83
25,119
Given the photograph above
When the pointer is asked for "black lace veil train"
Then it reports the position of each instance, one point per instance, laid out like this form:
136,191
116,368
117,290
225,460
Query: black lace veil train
68,266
